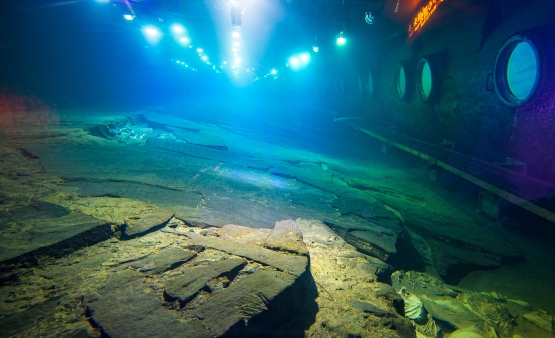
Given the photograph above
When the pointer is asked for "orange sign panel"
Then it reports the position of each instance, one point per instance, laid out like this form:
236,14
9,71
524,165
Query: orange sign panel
423,16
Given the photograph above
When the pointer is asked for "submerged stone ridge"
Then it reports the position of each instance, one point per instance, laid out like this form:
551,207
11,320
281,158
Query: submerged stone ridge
166,259
194,279
126,308
147,223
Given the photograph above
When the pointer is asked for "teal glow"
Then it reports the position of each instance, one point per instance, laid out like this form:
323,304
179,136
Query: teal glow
522,70
401,82
426,79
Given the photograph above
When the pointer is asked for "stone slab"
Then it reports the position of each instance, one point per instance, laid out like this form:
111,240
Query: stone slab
231,311
290,263
147,223
54,237
187,286
164,260
126,308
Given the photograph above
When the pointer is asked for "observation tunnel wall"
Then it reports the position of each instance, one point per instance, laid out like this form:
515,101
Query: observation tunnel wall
465,103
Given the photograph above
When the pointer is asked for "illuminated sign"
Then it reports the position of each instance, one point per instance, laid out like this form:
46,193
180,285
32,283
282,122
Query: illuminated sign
423,15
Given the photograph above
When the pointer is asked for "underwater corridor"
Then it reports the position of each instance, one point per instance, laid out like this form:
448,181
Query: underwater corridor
148,189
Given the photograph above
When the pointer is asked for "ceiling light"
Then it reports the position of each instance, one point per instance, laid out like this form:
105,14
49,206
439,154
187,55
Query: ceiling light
177,28
341,41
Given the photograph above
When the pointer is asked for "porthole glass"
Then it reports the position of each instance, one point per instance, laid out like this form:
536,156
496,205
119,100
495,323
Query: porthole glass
426,79
522,70
401,81
516,70
425,82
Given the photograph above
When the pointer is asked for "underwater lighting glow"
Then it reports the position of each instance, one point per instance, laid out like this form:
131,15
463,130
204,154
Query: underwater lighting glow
315,49
225,62
294,62
184,40
177,61
237,44
299,61
199,50
235,34
103,1
204,58
305,57
341,41
128,17
152,31
273,72
177,28
152,34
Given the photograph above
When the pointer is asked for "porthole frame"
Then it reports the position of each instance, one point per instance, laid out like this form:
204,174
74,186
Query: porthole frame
409,78
500,77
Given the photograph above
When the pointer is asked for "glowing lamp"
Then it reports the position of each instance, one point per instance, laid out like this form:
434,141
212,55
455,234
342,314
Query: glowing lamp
128,17
273,72
177,28
341,41
152,34
152,31
315,49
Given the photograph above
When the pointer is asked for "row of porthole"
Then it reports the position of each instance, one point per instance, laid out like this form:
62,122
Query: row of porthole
516,73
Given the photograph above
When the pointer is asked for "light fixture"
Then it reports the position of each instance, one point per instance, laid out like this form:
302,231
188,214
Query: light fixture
369,18
152,31
235,34
177,28
204,58
341,40
152,34
128,17
315,49
273,72
199,50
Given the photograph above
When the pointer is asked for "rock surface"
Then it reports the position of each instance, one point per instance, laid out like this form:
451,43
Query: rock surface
143,314
164,260
147,223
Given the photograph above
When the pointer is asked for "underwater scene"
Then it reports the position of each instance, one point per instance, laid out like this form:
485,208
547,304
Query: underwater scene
277,168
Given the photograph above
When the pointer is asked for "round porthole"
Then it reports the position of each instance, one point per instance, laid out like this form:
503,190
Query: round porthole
517,70
402,81
425,82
